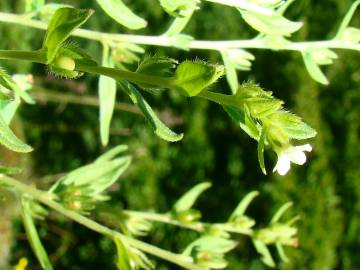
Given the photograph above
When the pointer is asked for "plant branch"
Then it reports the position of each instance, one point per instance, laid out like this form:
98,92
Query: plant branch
195,44
196,226
48,200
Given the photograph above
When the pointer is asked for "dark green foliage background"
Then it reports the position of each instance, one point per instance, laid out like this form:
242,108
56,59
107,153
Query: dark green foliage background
325,192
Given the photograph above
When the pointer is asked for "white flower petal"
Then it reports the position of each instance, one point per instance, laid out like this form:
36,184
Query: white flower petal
293,154
302,148
297,157
282,165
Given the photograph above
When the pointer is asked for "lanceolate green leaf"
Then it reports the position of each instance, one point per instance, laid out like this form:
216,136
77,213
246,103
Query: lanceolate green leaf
260,150
265,253
123,261
9,139
230,73
159,127
270,24
33,5
107,98
62,24
313,69
8,109
8,82
243,205
33,236
117,10
244,120
189,198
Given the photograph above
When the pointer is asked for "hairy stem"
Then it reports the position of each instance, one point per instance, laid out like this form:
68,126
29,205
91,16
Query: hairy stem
195,44
47,199
125,75
33,56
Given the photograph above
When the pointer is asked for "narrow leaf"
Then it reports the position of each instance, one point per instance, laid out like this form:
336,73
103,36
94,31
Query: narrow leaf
123,261
33,236
243,205
9,139
281,252
159,127
345,22
107,98
270,24
280,212
244,120
313,69
62,24
212,244
33,5
8,82
265,253
112,153
189,198
230,72
260,150
117,10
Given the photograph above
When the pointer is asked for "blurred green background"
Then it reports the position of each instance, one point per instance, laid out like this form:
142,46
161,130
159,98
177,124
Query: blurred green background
325,191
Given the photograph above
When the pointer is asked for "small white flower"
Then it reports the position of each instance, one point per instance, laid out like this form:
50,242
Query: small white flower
294,154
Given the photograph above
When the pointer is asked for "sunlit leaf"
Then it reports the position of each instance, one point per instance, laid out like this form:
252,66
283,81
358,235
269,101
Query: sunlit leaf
107,98
123,261
313,69
117,10
8,83
230,73
62,24
292,125
191,77
270,24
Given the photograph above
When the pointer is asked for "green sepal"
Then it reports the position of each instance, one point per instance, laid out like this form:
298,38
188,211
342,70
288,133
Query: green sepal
192,77
292,125
156,66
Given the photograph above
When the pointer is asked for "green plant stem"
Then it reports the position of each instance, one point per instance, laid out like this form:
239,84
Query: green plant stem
33,56
40,57
221,99
195,44
125,75
196,226
47,199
